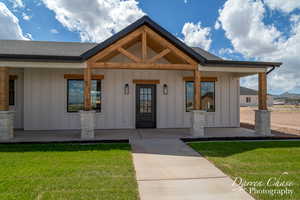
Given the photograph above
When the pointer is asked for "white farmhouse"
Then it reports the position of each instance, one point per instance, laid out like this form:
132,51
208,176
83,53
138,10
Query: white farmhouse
141,77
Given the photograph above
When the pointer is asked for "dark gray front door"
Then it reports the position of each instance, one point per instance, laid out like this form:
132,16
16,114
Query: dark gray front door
145,106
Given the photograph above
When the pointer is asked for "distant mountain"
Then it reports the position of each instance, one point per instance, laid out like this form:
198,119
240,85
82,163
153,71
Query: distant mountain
287,95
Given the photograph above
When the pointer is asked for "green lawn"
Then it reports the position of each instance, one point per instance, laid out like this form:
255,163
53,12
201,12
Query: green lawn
258,161
67,171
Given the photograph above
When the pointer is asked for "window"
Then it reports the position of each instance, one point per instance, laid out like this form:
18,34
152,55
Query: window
145,103
75,98
207,96
248,99
11,92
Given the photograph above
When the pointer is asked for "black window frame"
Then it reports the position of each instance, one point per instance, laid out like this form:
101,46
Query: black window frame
12,93
214,99
248,99
99,86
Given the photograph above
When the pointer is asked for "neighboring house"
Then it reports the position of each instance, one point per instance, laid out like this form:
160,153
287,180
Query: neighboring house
249,97
141,77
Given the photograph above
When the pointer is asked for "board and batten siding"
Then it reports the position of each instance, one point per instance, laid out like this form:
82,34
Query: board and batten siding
45,100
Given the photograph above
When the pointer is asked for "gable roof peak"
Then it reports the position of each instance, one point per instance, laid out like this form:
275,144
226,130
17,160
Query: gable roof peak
145,20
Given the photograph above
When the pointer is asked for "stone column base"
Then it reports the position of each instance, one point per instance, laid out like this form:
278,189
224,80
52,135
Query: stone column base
6,125
198,123
263,122
87,119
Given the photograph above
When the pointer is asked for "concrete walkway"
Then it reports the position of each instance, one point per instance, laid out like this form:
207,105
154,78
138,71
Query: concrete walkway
168,169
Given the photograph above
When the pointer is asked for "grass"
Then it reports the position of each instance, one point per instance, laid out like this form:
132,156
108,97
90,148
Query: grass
257,161
67,171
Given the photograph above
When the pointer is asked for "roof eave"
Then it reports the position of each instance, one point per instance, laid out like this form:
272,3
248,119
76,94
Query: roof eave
231,63
9,57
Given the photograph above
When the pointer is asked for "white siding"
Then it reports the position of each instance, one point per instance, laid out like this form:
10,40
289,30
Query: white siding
45,100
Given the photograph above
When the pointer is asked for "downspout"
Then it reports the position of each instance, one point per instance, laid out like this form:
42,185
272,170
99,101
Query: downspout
268,72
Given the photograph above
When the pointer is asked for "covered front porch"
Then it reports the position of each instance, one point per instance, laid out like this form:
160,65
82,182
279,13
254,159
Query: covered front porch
143,46
128,134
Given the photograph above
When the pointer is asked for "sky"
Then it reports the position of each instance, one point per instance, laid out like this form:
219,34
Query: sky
256,30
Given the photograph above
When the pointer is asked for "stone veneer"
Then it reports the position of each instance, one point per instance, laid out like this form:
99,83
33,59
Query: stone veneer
263,122
87,119
6,125
198,123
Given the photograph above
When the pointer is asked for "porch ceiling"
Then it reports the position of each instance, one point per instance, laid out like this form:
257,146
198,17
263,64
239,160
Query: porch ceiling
238,71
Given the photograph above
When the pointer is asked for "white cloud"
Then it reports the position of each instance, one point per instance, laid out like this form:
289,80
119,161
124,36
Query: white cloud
95,20
26,17
242,21
295,18
283,5
17,3
54,31
223,51
196,36
9,23
217,25
28,36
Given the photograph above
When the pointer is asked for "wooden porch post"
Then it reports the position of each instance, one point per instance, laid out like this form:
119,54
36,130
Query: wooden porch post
197,90
144,46
198,116
87,88
262,91
4,87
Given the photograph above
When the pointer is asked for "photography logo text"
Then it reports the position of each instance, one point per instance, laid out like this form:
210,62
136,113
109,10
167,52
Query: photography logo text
271,186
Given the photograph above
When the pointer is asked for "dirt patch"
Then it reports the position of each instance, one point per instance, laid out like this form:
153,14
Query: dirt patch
282,123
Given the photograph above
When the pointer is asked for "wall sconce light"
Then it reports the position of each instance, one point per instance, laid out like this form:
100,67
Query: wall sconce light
126,89
165,89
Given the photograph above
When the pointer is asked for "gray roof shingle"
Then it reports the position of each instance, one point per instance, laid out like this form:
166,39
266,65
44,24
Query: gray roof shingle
72,49
39,48
207,55
247,91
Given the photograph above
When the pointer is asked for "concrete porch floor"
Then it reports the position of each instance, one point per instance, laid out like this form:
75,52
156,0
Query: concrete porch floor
126,134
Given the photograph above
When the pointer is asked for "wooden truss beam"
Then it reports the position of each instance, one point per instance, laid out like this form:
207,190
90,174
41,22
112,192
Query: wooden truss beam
166,43
142,66
116,45
144,46
129,55
158,56
203,79
146,81
142,63
81,77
